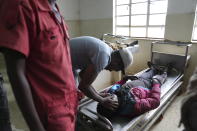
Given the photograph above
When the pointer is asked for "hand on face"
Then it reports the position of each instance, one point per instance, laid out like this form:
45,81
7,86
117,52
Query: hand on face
110,102
104,94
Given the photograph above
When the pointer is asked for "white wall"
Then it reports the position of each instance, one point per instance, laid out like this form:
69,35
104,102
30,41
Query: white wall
95,9
69,9
103,9
181,6
180,19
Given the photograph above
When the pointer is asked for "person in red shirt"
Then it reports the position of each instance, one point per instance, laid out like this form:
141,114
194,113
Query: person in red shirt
34,41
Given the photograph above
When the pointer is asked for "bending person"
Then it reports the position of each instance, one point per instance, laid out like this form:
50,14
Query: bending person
89,57
137,96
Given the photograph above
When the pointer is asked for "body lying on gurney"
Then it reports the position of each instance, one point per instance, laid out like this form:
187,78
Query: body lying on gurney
137,96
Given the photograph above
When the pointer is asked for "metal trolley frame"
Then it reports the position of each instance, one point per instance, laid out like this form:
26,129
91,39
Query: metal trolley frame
90,120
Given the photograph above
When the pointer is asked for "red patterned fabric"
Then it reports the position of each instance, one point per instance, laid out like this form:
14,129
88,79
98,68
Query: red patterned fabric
30,27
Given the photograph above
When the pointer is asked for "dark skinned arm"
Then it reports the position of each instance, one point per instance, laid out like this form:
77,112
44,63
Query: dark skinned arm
15,63
87,78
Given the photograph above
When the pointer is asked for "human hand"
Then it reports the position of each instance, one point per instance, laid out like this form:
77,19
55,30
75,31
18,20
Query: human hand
104,94
110,102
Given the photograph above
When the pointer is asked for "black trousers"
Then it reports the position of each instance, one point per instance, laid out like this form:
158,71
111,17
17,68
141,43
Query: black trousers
5,124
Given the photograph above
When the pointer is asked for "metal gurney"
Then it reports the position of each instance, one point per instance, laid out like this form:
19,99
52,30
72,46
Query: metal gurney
89,120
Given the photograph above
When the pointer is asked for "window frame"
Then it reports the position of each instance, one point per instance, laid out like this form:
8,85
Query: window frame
146,26
194,27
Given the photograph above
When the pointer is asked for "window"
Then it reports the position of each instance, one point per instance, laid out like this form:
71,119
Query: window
194,34
140,18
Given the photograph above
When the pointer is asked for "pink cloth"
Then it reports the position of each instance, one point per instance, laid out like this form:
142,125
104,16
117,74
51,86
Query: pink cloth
146,99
